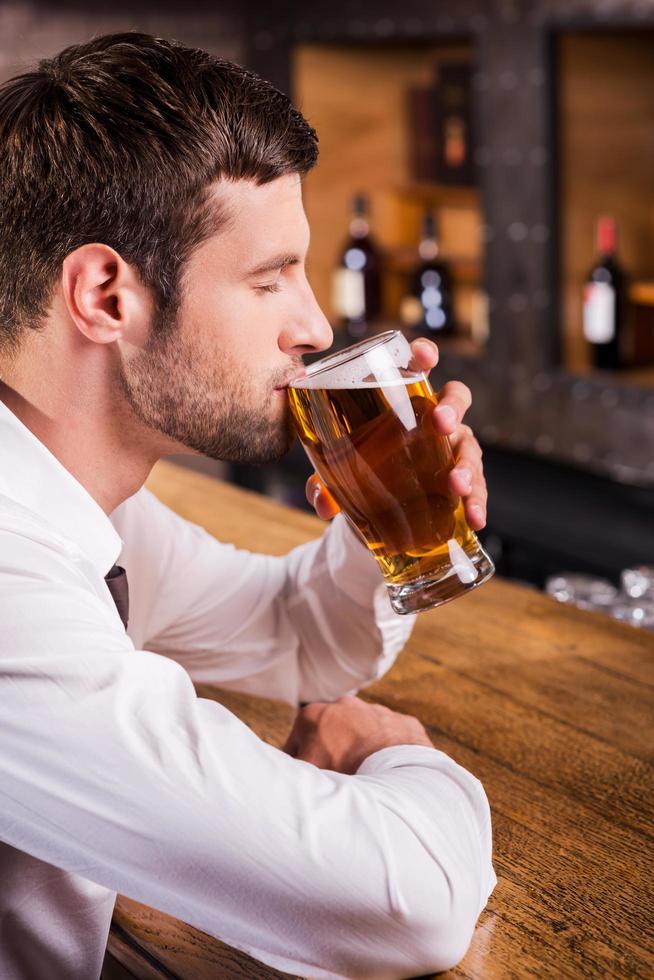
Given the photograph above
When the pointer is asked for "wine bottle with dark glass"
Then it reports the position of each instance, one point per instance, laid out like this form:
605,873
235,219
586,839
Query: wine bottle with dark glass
356,296
427,305
604,301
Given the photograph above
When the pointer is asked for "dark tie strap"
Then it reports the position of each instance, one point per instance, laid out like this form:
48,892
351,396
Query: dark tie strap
116,579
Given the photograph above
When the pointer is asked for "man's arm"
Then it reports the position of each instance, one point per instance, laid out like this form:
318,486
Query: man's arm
112,768
312,625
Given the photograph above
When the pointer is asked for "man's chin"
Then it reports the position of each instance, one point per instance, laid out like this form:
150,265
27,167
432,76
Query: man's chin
259,453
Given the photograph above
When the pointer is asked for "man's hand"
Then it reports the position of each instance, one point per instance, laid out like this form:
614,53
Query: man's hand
466,479
340,734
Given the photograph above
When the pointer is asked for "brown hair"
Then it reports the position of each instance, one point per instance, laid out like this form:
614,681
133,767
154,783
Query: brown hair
117,140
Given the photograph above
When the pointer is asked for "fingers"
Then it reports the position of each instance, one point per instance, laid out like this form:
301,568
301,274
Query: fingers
303,742
306,716
291,745
467,479
321,499
424,355
454,400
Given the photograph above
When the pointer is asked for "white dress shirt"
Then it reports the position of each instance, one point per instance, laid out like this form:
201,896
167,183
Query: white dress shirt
116,777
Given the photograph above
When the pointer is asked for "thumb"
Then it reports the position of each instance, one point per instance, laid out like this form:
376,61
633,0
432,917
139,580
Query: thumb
321,499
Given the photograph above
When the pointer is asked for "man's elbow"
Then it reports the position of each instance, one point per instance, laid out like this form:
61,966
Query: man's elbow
423,939
441,942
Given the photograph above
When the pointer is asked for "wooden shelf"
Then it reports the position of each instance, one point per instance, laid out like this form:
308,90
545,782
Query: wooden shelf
403,259
440,195
642,293
641,377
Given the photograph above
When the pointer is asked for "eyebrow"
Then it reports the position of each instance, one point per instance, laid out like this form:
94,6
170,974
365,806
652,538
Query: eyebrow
279,262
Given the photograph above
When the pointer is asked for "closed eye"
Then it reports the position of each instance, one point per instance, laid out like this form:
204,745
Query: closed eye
271,287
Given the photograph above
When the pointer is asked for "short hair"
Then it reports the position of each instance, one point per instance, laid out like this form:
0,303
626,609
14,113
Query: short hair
118,140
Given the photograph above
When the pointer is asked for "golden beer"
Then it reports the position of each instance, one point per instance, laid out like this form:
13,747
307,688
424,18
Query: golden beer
371,438
390,481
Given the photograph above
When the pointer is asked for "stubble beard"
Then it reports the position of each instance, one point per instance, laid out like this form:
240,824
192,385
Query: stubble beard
212,407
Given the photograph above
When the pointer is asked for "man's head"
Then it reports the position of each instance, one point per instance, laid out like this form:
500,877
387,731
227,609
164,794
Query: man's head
140,184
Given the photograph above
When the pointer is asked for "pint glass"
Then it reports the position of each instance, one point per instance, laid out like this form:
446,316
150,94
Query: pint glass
364,418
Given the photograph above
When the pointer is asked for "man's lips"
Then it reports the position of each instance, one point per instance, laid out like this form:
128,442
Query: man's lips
294,377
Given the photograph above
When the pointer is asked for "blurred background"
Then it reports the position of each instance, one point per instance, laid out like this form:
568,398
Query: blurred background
485,178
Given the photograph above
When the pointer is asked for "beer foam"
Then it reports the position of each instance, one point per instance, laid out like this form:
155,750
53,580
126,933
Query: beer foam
380,365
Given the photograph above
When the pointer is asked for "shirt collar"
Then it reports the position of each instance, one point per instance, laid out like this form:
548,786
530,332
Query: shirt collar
34,478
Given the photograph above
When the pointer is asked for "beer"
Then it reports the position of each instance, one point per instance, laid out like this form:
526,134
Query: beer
365,419
376,451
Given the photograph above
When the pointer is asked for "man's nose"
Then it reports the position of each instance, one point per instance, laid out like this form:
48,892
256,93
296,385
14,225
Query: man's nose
309,330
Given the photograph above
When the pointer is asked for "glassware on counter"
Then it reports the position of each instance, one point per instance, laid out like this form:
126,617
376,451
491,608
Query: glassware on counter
583,591
633,604
638,582
635,612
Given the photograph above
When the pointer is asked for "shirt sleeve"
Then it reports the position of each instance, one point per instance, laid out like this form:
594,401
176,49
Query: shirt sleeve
113,769
312,625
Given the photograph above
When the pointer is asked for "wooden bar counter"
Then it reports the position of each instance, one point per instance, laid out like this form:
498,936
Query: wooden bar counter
552,708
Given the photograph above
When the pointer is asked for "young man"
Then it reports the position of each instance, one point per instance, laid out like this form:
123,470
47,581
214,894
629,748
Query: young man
153,300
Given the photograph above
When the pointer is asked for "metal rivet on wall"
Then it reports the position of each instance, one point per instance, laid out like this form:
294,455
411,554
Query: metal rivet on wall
512,156
581,390
517,231
384,27
413,26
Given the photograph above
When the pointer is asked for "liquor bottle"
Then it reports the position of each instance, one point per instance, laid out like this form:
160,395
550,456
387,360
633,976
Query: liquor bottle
604,301
356,292
427,306
454,155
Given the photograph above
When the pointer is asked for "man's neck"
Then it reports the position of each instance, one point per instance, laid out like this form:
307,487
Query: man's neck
73,409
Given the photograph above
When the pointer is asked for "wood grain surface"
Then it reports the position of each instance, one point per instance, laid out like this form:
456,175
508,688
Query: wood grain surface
552,708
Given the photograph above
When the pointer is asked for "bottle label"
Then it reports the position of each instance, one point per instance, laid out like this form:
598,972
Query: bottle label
599,313
348,296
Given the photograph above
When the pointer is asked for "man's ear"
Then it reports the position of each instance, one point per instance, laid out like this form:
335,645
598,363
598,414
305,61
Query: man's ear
104,296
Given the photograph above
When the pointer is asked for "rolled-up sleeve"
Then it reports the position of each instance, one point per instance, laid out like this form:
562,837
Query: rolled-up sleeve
112,768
